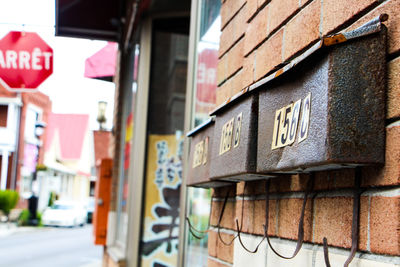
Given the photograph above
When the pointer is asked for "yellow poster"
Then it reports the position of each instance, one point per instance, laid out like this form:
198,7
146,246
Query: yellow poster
159,246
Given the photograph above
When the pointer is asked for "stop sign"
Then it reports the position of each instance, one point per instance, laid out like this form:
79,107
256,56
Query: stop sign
25,61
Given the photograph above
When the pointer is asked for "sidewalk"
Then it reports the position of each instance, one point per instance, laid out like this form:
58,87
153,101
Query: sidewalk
7,229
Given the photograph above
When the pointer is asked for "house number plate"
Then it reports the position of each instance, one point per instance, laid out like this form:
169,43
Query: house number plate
230,130
288,123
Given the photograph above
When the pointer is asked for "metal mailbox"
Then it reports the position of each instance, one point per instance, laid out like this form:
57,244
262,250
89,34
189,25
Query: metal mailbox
199,159
234,149
328,112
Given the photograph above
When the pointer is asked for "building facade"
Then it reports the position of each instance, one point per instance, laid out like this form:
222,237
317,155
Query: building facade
207,56
69,159
20,113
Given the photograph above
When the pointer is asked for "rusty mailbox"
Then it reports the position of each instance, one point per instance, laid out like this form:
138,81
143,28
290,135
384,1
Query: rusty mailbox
200,152
234,149
328,112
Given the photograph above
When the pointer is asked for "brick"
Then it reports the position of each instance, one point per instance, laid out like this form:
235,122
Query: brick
385,225
251,188
225,252
236,82
260,217
390,173
302,30
333,219
221,192
393,95
230,87
281,11
253,219
248,70
212,243
214,263
392,9
260,3
293,183
269,55
304,2
337,179
257,31
234,58
228,218
233,31
337,12
289,216
228,9
245,215
223,93
363,228
252,7
221,70
258,187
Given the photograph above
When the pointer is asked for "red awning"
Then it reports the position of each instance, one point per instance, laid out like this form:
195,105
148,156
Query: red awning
102,64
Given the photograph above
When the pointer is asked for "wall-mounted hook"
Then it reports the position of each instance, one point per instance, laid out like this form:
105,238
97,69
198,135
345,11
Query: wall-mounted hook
300,235
220,219
241,242
239,229
199,234
354,225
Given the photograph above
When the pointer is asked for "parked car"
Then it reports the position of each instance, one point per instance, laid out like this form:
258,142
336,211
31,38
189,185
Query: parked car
64,213
90,209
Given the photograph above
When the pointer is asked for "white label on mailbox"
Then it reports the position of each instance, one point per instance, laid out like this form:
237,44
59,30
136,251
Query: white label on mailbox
198,154
294,121
236,140
283,135
226,137
205,151
286,123
277,123
305,118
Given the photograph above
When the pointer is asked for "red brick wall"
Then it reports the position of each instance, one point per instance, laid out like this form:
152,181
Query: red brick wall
259,35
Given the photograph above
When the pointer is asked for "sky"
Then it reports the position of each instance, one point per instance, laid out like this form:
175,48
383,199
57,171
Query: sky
68,89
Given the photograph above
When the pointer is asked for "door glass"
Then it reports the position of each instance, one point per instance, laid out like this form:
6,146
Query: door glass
125,162
198,199
159,242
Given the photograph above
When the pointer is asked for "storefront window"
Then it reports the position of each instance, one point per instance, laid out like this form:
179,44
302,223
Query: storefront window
207,60
128,124
207,45
163,174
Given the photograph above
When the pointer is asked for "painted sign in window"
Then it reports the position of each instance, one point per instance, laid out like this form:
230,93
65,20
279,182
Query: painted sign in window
161,214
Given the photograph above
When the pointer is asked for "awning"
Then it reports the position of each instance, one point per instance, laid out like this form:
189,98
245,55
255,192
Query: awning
101,65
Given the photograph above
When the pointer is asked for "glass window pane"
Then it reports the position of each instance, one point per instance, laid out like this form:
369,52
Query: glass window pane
159,241
128,124
198,199
207,59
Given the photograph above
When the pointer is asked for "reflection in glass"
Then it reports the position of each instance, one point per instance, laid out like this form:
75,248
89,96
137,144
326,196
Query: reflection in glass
122,211
198,199
163,178
207,60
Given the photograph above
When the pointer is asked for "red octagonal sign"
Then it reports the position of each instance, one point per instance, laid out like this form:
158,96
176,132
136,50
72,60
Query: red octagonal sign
25,61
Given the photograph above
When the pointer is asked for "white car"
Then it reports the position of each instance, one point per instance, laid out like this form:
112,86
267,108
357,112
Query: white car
63,213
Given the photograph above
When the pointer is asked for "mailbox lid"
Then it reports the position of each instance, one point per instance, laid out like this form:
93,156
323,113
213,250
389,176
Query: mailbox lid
199,160
235,154
346,88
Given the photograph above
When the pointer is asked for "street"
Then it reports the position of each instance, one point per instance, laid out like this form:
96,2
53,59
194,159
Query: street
49,247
